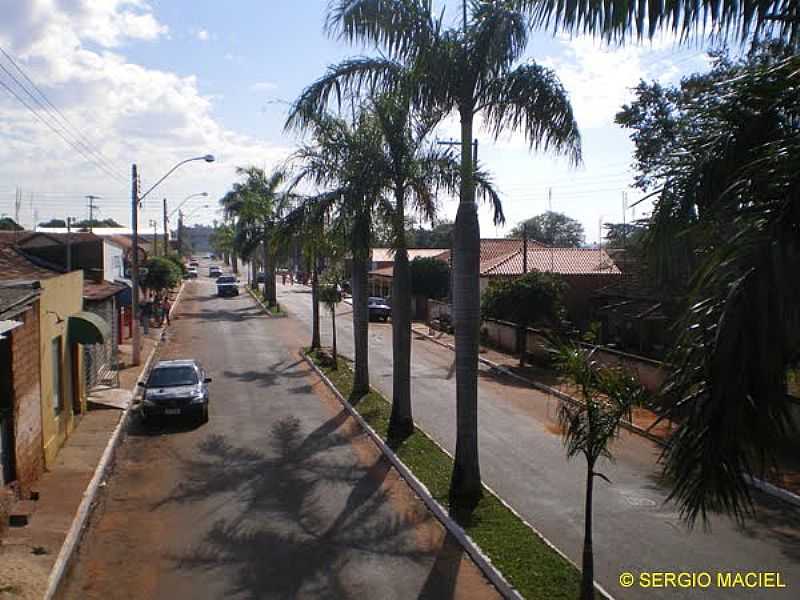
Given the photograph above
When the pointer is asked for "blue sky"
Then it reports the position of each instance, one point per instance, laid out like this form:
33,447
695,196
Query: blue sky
154,82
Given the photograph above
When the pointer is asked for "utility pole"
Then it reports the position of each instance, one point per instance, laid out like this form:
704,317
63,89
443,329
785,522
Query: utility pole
137,340
525,248
92,206
69,244
166,235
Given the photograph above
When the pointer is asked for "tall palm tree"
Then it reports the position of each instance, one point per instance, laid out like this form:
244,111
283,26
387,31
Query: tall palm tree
344,159
470,71
257,202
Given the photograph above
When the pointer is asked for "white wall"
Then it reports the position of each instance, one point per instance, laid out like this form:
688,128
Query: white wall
112,261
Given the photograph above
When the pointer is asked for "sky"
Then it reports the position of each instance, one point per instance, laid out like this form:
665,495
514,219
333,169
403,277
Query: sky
155,82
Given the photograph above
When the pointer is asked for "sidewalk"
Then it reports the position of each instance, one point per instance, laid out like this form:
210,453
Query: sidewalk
643,421
27,554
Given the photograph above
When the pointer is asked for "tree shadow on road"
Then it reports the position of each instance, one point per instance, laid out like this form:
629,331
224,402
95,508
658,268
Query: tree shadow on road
306,518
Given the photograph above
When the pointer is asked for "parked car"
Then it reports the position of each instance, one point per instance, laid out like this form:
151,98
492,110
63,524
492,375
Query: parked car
191,273
176,388
378,309
214,271
261,277
227,285
194,263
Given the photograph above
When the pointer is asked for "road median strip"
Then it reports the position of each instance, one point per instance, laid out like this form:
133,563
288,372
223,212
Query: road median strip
513,555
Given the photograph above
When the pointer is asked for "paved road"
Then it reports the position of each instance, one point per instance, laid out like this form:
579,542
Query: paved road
523,460
278,496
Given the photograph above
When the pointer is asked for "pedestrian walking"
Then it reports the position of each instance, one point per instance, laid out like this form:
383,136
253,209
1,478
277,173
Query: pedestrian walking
166,307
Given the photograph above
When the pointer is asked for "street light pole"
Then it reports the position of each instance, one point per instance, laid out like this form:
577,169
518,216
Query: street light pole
166,244
136,199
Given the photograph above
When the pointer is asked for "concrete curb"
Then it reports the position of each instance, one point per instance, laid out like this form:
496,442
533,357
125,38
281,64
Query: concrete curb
264,306
483,562
70,544
759,484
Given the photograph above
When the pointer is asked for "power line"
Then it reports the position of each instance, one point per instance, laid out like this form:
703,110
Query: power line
58,132
65,123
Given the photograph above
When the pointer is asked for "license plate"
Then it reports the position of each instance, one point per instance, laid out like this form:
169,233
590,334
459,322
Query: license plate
172,411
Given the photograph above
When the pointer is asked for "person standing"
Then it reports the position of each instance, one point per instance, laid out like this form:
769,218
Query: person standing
166,307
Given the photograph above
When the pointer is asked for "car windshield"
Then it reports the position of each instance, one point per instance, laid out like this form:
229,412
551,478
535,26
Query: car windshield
377,301
226,279
172,376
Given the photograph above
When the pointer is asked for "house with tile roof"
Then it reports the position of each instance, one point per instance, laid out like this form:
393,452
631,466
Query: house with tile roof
64,328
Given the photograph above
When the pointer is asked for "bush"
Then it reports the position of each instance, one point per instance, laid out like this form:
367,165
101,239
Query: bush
178,262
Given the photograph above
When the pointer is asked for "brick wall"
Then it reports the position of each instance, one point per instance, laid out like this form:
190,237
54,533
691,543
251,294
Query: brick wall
27,399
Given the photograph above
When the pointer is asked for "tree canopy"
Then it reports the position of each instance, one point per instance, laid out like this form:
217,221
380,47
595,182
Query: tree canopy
430,277
438,236
552,228
162,274
534,298
54,223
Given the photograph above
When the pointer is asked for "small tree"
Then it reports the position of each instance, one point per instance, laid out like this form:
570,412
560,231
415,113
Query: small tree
606,397
430,277
534,298
162,274
9,224
330,295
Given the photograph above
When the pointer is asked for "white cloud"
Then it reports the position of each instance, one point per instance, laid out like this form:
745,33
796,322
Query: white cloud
125,111
264,86
202,35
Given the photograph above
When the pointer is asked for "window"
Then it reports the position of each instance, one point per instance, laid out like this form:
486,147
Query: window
55,351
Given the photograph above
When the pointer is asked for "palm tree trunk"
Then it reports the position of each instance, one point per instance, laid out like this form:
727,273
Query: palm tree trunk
465,484
401,423
266,263
587,578
333,337
360,323
312,265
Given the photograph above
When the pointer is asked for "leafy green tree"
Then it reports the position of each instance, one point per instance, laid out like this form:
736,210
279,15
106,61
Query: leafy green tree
624,235
606,396
86,223
725,219
552,228
162,274
534,298
430,277
467,72
9,224
222,240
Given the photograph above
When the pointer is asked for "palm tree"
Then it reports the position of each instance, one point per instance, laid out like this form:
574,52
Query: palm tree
257,203
469,72
346,159
588,427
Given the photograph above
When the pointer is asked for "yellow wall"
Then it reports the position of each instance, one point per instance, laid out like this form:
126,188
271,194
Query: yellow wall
61,297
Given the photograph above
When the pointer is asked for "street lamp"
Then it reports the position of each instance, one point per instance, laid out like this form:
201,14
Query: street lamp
195,209
136,200
198,195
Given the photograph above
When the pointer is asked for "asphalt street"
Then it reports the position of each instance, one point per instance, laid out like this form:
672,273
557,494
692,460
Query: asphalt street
523,459
280,495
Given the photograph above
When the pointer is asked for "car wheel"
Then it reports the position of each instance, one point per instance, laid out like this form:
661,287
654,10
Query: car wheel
204,414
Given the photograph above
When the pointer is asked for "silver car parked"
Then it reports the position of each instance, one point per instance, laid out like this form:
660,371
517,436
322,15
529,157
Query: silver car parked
176,387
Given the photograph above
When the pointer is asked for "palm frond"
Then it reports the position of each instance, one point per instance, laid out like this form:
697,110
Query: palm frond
616,20
401,27
532,100
497,37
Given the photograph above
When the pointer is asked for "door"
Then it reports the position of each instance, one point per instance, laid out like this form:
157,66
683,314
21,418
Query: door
7,467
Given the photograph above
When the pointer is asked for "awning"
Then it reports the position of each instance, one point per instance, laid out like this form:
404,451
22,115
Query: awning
87,328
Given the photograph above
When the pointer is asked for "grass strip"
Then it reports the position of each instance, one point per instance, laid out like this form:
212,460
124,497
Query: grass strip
524,559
